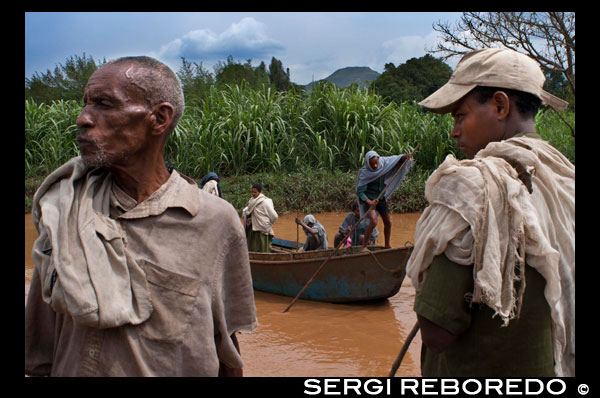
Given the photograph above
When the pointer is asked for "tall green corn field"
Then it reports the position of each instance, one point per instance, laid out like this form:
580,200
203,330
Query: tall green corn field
237,130
50,133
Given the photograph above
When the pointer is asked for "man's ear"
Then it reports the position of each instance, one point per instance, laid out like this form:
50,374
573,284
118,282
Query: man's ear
163,115
501,104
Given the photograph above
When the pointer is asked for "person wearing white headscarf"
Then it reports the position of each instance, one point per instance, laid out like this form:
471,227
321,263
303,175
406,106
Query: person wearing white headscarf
316,237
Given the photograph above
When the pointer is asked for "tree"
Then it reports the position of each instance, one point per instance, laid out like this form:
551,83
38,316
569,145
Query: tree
195,80
414,80
547,37
261,72
231,72
279,79
67,82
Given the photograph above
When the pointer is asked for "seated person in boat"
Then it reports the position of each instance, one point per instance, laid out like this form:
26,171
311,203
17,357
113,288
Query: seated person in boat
316,237
259,217
356,238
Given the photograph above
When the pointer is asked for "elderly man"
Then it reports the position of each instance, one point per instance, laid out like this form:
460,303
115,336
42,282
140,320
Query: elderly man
137,271
494,257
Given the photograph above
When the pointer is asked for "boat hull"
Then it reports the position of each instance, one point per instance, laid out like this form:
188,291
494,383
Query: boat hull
348,276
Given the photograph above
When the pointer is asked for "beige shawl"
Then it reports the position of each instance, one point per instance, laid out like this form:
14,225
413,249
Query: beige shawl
211,187
481,213
263,214
84,266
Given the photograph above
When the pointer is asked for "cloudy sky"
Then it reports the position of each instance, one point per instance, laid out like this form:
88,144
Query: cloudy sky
312,45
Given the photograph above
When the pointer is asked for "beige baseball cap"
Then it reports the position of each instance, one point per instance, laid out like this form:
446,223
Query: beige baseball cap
492,67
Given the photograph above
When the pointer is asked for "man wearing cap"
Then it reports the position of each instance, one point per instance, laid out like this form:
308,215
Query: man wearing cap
494,257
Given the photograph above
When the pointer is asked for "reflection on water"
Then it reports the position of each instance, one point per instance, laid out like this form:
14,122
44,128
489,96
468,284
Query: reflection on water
322,339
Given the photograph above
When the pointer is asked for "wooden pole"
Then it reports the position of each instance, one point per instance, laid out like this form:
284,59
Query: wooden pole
351,230
403,350
297,233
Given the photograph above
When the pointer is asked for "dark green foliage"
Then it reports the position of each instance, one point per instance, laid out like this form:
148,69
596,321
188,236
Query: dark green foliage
195,80
559,86
67,82
235,73
413,80
279,78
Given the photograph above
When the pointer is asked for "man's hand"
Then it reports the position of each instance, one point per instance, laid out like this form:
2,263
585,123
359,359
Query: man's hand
226,371
436,338
372,202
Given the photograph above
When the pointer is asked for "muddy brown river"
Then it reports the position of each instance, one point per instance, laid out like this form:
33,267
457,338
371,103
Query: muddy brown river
321,339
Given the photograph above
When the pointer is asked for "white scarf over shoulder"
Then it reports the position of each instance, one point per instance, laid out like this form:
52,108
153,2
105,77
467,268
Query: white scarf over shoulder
481,213
84,266
263,214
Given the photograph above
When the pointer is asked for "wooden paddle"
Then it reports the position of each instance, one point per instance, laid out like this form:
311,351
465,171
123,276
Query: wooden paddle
403,350
409,156
297,233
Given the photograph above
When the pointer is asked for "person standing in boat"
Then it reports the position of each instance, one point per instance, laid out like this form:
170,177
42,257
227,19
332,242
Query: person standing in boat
373,177
259,217
316,237
358,234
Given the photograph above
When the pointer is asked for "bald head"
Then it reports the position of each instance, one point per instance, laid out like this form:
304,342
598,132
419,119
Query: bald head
156,82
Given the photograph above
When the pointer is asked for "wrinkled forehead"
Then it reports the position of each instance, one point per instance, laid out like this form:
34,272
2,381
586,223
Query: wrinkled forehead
115,80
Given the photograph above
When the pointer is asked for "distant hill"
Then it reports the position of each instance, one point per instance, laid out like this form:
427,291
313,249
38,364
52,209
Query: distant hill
351,74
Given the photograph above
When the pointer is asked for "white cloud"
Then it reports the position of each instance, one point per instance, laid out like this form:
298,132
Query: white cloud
401,49
245,39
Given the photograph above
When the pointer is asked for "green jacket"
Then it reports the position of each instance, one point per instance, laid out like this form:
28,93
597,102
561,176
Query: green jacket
484,347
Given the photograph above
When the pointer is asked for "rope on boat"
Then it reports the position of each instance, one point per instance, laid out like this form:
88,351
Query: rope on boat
401,265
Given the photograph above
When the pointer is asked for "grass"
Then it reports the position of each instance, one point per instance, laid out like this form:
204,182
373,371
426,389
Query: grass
305,149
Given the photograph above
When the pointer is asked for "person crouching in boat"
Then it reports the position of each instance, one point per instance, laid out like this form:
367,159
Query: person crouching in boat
316,237
259,217
358,234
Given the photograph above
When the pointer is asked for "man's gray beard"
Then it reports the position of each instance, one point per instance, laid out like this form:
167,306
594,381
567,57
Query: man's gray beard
102,159
98,159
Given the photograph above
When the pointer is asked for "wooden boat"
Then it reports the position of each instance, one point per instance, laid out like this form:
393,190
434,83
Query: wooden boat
286,244
348,276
